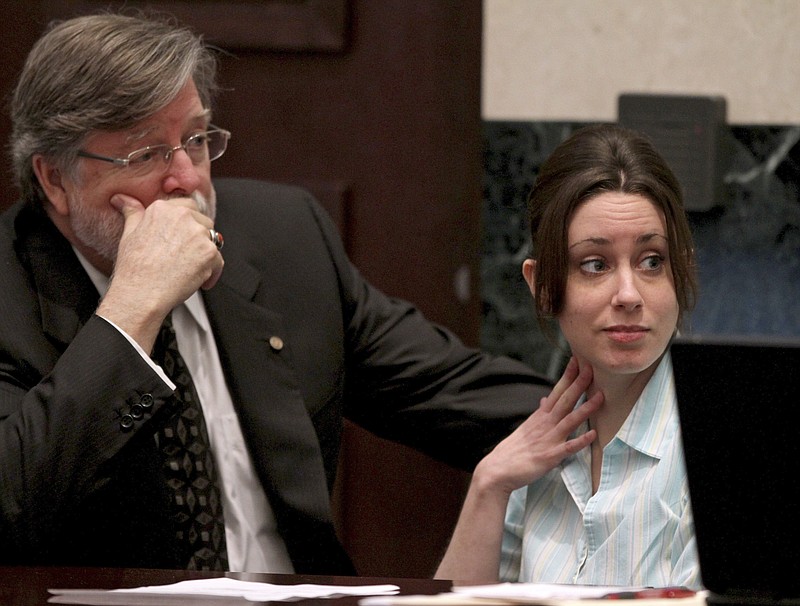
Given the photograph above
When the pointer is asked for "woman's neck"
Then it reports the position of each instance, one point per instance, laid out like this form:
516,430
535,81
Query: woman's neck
620,393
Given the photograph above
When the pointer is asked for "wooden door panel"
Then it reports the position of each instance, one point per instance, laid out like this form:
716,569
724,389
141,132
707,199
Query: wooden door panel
375,107
273,25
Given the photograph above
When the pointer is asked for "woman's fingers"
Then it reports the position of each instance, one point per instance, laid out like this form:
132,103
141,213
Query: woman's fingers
569,388
567,378
577,416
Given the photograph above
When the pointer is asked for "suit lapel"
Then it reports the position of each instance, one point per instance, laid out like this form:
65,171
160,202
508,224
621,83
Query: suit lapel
273,415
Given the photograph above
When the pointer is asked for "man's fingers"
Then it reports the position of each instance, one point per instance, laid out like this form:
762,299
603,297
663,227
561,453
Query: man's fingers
131,209
127,205
191,204
214,277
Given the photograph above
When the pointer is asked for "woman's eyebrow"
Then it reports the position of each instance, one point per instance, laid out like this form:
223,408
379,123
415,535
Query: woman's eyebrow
644,238
601,241
591,240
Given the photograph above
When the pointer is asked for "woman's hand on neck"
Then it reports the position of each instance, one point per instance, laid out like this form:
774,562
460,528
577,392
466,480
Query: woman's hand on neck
621,392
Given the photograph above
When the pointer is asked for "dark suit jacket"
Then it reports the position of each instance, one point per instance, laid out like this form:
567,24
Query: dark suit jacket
77,489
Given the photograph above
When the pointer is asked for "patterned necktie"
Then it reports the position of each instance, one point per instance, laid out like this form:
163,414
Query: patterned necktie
189,465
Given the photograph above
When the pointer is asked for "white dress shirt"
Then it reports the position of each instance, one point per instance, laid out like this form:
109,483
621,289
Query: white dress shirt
251,533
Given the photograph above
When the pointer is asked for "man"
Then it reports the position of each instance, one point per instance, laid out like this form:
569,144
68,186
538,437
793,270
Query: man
109,457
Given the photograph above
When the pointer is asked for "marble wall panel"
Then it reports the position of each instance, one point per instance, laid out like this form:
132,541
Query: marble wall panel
748,249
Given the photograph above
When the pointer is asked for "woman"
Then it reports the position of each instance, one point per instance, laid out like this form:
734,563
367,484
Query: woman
592,489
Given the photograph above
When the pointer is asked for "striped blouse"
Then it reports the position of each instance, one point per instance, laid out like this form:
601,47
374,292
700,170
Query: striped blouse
636,530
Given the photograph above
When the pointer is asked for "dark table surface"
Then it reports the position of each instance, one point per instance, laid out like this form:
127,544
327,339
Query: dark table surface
28,586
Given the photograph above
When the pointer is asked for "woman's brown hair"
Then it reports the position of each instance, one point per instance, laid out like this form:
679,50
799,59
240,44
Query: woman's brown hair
595,160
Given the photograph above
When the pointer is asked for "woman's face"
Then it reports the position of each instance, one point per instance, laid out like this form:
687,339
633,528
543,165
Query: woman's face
620,306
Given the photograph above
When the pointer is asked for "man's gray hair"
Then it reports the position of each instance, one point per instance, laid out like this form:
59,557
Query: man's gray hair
99,72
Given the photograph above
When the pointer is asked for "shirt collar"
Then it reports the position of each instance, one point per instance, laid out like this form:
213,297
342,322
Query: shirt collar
653,421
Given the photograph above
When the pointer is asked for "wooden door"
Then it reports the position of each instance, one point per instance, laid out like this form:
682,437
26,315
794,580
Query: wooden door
375,107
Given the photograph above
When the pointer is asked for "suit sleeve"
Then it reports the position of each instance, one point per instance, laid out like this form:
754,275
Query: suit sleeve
415,382
59,432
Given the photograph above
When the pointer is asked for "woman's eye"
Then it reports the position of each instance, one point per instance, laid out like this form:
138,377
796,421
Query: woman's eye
652,262
593,266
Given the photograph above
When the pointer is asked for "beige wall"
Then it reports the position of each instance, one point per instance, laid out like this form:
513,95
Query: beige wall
570,59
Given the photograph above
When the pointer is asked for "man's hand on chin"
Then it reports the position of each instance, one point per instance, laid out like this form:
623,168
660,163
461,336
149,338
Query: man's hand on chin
165,255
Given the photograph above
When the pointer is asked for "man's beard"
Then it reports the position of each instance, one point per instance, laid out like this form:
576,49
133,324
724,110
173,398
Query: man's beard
102,231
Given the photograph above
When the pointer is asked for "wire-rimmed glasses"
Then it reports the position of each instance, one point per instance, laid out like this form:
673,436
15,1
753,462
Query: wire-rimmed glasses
200,147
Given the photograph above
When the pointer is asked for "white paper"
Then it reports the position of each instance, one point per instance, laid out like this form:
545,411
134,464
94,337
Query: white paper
225,587
540,591
522,594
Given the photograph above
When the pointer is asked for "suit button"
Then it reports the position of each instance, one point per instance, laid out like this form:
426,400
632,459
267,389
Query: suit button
126,422
146,401
137,411
276,343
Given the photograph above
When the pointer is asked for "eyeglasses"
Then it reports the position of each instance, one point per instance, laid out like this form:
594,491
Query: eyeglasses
200,147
